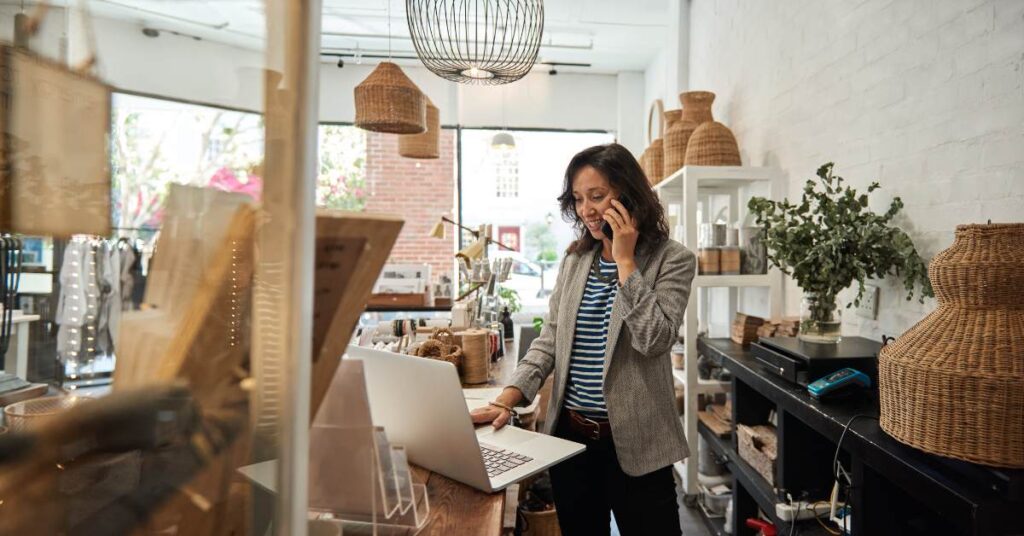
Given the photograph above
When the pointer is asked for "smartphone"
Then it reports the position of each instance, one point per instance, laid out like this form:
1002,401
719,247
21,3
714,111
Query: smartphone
606,227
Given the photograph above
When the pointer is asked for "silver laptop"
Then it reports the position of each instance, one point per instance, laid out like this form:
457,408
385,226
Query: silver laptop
420,404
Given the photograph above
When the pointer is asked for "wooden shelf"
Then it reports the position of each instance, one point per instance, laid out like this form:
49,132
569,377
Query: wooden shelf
717,176
703,386
754,484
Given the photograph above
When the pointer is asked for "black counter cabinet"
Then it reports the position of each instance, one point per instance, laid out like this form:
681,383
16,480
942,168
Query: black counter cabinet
896,489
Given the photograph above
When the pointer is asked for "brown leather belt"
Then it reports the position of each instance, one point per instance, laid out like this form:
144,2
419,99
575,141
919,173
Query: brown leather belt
589,428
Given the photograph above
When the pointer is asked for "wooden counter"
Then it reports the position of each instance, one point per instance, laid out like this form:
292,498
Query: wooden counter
457,509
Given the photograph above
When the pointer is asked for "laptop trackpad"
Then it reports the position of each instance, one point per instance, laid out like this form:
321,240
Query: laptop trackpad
508,436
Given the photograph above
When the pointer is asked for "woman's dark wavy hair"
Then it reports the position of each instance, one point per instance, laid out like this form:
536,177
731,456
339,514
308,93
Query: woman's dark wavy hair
628,180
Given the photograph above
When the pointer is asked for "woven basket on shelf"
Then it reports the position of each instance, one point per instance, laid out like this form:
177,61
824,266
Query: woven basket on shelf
670,152
953,384
676,137
645,163
387,101
655,150
441,345
696,110
712,144
428,144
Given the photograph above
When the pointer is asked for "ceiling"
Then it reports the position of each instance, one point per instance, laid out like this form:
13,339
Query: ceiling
611,35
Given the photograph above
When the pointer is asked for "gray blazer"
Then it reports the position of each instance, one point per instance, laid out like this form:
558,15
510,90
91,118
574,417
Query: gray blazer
638,386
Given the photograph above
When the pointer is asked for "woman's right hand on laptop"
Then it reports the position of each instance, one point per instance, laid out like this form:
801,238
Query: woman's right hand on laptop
497,416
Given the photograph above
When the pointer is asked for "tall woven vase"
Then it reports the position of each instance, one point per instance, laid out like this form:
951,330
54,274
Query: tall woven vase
953,385
670,145
697,106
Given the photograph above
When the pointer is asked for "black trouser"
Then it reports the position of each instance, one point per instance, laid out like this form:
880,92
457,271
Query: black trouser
589,485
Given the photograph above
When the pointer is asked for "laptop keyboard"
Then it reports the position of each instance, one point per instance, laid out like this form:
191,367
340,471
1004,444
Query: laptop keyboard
499,461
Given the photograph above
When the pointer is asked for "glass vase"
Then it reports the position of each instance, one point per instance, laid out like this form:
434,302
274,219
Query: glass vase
821,319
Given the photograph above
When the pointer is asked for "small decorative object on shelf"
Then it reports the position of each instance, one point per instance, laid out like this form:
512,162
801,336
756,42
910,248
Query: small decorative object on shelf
830,240
730,260
744,329
953,384
709,261
712,144
426,145
387,101
753,257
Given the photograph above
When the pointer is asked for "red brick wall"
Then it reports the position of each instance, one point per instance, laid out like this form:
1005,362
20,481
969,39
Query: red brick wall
419,191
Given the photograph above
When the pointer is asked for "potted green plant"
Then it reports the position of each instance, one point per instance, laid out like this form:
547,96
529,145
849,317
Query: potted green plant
830,240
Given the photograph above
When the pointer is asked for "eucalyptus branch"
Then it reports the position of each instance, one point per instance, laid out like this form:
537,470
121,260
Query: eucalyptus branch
831,239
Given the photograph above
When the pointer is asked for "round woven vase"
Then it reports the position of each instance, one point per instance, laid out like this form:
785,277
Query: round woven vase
712,144
387,101
428,144
953,384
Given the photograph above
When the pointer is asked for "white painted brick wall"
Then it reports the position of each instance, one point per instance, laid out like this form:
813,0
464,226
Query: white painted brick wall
924,96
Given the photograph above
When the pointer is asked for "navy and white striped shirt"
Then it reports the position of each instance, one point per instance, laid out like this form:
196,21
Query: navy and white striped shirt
585,388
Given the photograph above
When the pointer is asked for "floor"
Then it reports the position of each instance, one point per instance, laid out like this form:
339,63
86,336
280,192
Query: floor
689,519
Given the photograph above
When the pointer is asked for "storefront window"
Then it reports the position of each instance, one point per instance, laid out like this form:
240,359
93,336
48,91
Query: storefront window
514,188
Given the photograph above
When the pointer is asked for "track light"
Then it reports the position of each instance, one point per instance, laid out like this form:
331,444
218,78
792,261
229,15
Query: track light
341,63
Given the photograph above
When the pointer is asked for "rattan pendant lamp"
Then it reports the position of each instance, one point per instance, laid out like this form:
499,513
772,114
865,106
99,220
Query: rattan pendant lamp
428,144
388,101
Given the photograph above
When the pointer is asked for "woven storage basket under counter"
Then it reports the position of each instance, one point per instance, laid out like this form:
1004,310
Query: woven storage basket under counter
953,384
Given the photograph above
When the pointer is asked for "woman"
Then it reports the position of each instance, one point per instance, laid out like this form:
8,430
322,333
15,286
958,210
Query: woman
614,314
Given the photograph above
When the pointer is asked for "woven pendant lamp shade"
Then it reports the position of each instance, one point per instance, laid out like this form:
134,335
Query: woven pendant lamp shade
428,144
953,385
712,144
387,101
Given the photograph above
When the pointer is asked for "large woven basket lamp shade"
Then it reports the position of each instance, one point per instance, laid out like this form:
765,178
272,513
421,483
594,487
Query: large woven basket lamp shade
428,144
953,384
387,101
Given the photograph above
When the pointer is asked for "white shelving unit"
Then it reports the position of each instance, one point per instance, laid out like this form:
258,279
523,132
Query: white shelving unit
686,189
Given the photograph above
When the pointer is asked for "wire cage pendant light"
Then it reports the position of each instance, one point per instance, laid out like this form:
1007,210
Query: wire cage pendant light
481,42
